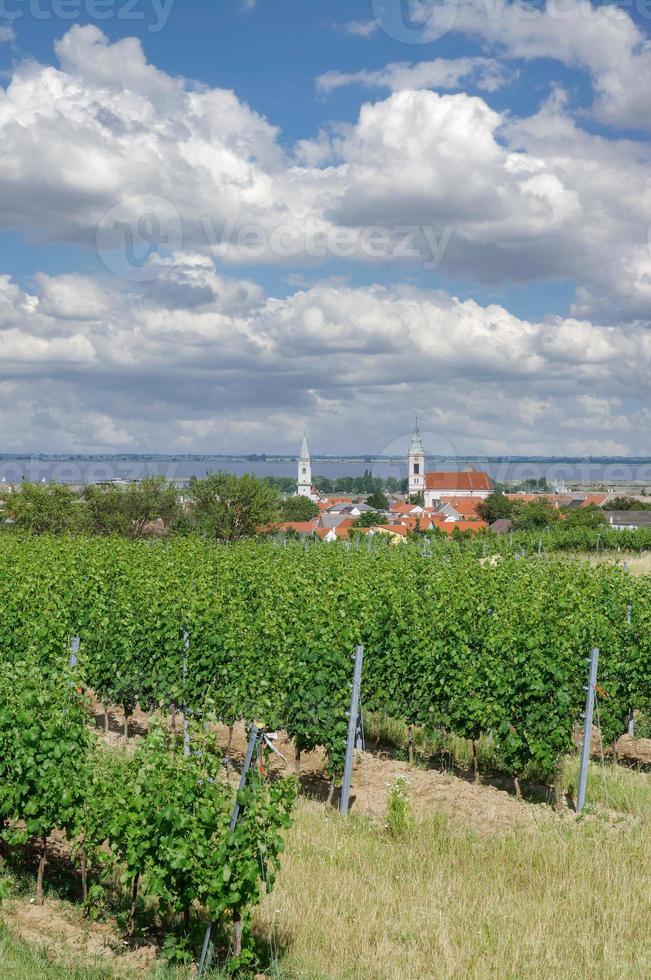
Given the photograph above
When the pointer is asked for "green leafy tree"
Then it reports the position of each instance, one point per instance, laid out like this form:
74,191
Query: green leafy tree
130,511
369,519
418,499
49,508
229,507
585,517
378,501
539,485
152,499
284,484
105,510
495,507
626,503
360,484
298,509
534,515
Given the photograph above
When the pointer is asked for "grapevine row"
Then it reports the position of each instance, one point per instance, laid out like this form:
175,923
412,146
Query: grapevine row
450,642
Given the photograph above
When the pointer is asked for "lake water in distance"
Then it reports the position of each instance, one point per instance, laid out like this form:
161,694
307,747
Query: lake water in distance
97,469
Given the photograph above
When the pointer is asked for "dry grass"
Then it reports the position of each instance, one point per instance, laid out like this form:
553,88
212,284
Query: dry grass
551,898
449,749
637,564
612,789
565,899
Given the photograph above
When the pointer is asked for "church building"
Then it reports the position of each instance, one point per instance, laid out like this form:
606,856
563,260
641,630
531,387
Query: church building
304,486
433,486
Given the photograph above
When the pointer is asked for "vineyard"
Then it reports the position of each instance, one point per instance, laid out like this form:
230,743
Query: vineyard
555,538
263,632
256,631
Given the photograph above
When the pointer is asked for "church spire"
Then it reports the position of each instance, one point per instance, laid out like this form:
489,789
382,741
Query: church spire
416,463
416,441
304,483
305,453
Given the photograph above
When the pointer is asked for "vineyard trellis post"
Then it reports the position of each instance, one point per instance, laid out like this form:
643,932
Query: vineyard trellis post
73,659
630,721
207,948
353,719
186,724
587,728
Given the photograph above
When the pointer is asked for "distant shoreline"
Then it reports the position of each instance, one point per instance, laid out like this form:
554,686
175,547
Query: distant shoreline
600,473
316,457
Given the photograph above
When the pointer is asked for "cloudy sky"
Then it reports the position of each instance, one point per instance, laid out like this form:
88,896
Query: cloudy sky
220,222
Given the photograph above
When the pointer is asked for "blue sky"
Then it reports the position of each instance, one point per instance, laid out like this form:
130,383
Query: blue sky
517,138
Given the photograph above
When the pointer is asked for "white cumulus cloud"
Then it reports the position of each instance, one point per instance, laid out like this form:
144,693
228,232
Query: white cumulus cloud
125,368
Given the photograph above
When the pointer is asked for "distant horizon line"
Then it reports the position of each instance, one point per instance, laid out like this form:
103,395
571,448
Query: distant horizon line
323,457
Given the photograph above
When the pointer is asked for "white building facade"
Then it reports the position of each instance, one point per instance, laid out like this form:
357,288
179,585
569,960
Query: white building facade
433,486
416,464
304,483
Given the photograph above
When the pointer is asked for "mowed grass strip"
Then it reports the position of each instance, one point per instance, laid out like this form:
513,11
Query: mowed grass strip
563,897
568,899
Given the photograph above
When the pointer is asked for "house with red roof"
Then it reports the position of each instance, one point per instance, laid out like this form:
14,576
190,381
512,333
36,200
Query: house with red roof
465,507
435,485
451,527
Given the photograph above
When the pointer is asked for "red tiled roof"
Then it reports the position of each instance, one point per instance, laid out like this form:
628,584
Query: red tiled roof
466,506
342,529
393,529
323,532
553,499
421,521
458,481
303,527
594,499
462,526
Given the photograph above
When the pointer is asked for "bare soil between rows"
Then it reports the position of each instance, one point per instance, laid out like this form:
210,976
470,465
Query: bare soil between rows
484,807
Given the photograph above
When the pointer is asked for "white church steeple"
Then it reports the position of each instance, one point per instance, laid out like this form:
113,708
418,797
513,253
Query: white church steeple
416,463
304,488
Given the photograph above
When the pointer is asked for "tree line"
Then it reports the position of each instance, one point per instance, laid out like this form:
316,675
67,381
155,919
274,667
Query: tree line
221,506
365,484
533,515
